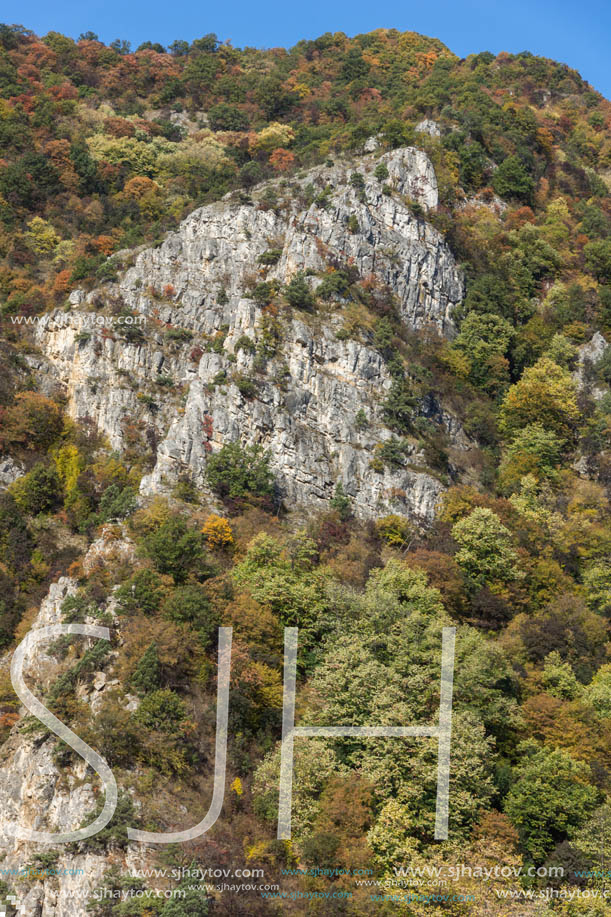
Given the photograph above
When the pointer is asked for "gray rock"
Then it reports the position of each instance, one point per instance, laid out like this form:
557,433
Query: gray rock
187,396
36,793
588,355
426,126
10,470
594,349
310,390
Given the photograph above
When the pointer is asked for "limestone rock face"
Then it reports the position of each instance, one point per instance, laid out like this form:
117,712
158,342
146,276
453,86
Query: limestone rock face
587,356
427,126
593,350
203,364
308,427
218,245
10,470
181,377
37,793
371,145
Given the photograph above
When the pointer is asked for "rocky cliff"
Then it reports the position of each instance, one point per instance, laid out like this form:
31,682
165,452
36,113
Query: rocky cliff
180,375
165,349
39,793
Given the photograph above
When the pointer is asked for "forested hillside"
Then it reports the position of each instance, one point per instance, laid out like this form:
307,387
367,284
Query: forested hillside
507,411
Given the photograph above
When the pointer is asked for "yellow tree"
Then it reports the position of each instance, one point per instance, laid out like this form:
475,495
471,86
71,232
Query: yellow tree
546,395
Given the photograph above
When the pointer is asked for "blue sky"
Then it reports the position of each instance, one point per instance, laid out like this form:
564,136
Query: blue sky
578,34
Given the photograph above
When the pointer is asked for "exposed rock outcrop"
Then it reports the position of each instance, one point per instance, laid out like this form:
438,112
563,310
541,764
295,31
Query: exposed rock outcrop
208,365
10,470
38,793
35,794
427,126
588,355
308,384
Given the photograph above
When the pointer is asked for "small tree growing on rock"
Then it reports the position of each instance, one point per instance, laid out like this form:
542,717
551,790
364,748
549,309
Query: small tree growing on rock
236,472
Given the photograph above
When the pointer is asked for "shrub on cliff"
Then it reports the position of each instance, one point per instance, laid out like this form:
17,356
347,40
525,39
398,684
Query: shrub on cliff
39,491
174,548
512,179
298,293
236,472
32,422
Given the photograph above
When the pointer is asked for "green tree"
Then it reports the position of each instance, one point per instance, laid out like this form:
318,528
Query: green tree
264,292
30,181
533,450
398,407
341,503
208,43
512,179
236,472
121,46
381,171
562,352
294,592
550,797
191,903
251,174
597,694
141,594
151,46
544,395
114,835
335,283
15,537
116,503
146,677
558,678
490,293
397,133
298,293
593,840
273,98
381,665
473,165
598,259
179,48
189,604
486,553
485,340
174,548
38,491
224,117
391,837
597,582
360,420
163,711
354,66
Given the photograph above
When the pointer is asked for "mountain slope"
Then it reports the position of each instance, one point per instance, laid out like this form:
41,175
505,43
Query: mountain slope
310,338
298,391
